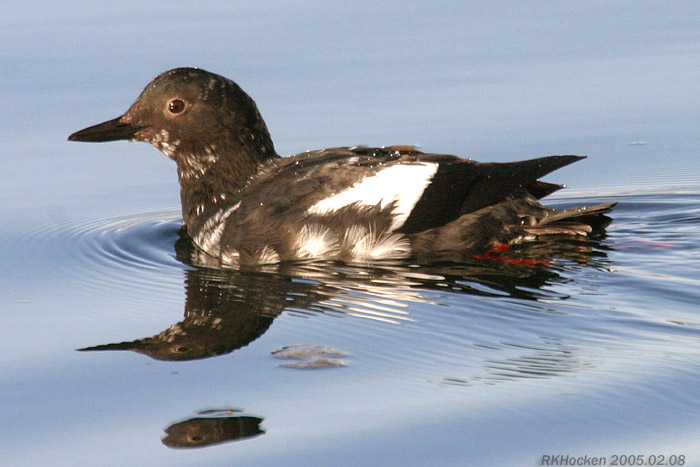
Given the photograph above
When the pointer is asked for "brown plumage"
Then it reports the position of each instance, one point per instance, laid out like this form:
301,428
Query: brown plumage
244,205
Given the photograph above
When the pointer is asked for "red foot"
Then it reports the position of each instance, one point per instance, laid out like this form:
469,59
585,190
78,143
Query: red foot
489,255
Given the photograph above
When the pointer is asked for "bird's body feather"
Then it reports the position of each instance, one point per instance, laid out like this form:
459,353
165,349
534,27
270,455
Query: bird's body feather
245,205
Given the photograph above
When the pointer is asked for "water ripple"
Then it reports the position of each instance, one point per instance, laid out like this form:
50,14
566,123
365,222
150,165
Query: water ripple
129,251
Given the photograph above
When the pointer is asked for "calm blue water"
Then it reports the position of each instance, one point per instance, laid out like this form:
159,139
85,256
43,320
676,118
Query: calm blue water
486,363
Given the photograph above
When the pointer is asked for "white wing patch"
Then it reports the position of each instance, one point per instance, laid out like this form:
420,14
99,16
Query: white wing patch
402,184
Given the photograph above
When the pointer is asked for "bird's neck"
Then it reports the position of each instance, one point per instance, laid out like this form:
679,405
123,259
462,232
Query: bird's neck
212,179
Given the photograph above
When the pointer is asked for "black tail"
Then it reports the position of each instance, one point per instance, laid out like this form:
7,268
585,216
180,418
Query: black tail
463,186
500,180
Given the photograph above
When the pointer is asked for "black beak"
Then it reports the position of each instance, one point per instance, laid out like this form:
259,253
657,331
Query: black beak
111,130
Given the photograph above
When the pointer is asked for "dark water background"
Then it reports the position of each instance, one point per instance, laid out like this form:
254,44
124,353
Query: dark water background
487,363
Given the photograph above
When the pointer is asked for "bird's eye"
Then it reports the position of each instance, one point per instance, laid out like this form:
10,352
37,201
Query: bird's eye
176,106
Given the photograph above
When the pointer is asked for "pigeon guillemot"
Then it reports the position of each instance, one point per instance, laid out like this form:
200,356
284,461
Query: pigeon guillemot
245,205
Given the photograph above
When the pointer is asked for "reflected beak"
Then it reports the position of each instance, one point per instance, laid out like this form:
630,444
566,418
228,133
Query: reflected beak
111,130
119,346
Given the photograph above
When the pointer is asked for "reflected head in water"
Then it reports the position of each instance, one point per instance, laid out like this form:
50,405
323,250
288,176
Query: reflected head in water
223,312
199,432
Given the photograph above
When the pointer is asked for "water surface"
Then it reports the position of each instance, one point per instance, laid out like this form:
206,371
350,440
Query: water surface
592,349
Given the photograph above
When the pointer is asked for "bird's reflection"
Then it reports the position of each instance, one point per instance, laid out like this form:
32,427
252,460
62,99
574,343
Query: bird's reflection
226,310
210,428
223,312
